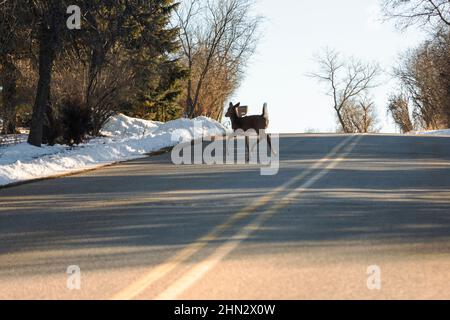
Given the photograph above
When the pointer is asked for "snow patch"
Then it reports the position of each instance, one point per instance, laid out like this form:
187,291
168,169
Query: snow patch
124,126
125,139
443,132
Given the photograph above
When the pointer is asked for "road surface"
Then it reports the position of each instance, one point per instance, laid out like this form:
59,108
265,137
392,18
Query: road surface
347,217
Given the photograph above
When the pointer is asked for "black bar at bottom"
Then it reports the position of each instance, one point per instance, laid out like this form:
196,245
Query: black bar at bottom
185,310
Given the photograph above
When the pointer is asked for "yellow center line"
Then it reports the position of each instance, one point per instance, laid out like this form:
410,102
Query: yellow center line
163,269
200,269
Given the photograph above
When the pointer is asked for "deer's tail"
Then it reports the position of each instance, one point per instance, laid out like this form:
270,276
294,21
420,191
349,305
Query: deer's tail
265,112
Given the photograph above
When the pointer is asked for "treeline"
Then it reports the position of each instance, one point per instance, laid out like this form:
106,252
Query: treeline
66,67
423,73
422,99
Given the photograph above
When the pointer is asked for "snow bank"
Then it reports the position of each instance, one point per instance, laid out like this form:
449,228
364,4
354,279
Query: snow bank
121,125
126,138
444,132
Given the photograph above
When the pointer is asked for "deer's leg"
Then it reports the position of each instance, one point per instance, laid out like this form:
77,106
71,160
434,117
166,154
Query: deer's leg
227,141
257,143
262,137
247,148
269,141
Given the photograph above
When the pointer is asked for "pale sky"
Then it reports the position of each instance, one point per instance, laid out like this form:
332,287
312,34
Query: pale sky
296,30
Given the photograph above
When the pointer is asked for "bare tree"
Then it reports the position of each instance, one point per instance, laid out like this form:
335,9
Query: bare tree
349,81
409,12
423,72
424,77
217,39
360,116
399,109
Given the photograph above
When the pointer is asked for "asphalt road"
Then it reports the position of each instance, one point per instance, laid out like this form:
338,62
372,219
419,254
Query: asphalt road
148,229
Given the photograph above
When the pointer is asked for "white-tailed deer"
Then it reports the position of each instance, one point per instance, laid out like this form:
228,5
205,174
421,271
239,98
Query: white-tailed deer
257,123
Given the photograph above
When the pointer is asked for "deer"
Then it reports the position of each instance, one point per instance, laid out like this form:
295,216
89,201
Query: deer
257,123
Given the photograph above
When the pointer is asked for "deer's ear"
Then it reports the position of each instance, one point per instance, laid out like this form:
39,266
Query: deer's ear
238,105
231,104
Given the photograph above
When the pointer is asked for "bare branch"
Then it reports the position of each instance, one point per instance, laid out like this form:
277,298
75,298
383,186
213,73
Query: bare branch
421,12
218,38
345,88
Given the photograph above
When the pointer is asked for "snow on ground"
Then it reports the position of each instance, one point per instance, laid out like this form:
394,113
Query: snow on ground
121,125
443,132
125,139
12,139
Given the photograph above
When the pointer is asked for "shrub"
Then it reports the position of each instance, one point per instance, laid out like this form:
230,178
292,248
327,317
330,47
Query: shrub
75,120
24,113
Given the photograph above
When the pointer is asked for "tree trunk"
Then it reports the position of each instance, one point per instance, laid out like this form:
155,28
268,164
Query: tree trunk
189,102
9,93
220,115
47,48
341,120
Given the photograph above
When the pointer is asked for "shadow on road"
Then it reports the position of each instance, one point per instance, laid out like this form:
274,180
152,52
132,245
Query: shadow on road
391,189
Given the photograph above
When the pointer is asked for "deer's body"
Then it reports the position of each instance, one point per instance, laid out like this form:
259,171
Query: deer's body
257,123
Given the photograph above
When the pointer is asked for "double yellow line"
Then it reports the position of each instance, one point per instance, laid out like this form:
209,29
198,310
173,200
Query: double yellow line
179,286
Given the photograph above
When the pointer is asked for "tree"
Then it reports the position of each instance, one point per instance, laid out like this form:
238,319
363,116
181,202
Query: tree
161,88
349,81
217,39
410,12
127,53
8,81
424,77
124,57
423,72
48,17
12,49
110,61
399,109
360,116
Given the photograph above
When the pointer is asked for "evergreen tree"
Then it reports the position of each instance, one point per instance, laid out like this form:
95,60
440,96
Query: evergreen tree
137,33
11,49
133,36
153,47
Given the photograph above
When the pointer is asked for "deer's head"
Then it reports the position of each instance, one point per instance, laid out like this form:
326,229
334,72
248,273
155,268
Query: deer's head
232,110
